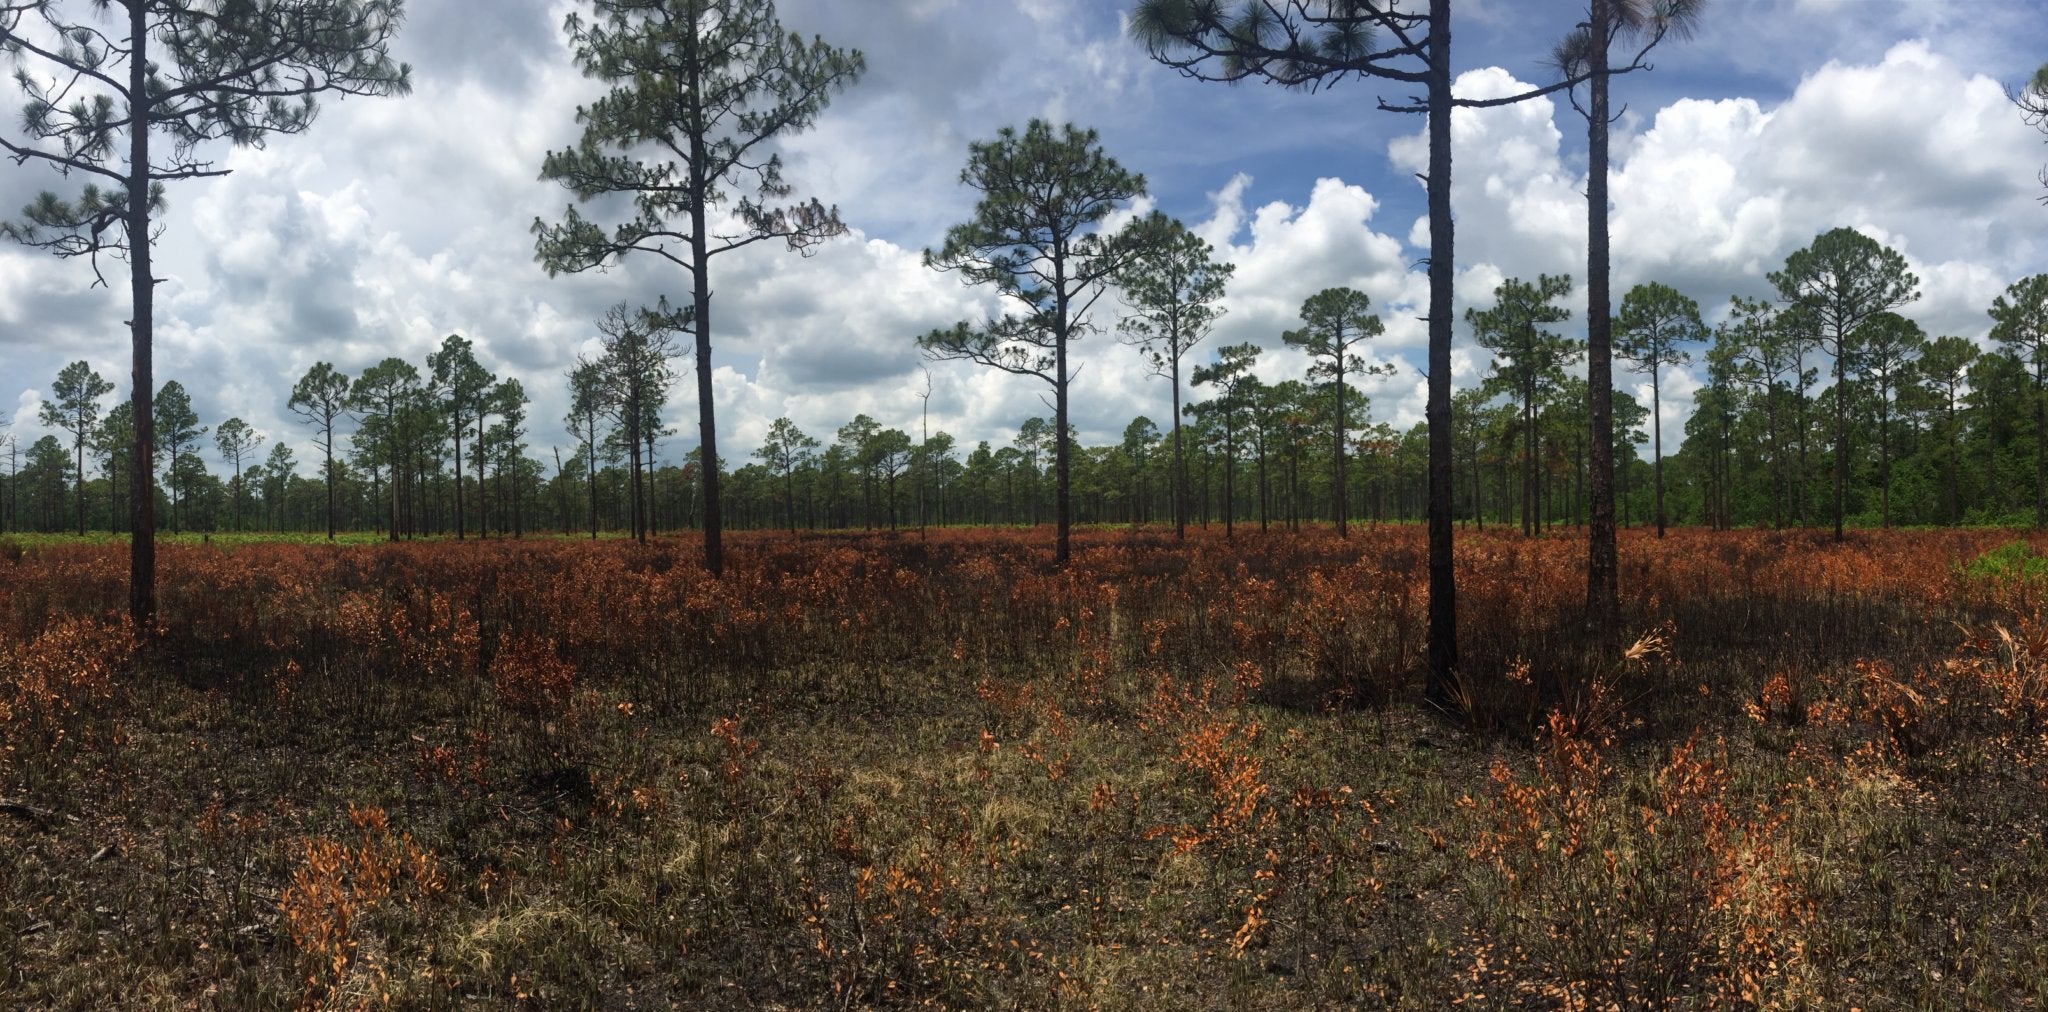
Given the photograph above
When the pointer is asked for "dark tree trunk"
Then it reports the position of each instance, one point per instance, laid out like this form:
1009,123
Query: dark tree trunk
2040,446
1062,515
1779,492
1443,579
1229,479
1265,490
590,467
456,419
1657,443
1339,502
1884,460
707,423
1180,463
1602,569
1841,430
141,290
1954,506
329,448
397,471
1800,515
1532,515
1061,451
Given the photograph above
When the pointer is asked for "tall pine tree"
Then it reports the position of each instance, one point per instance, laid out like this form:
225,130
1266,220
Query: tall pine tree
195,72
698,89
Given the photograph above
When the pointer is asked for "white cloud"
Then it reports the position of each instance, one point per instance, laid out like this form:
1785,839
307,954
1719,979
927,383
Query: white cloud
395,222
24,421
1515,205
1912,149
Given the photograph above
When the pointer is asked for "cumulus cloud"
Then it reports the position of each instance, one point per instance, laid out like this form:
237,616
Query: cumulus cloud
1516,205
1711,194
22,423
393,223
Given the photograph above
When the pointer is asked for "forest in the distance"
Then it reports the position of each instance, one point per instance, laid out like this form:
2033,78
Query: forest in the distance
1936,430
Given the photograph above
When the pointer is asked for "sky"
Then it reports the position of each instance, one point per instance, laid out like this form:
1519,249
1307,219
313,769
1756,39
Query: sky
394,222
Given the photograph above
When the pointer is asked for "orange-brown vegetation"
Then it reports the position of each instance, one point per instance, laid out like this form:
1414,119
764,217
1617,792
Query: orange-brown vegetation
869,770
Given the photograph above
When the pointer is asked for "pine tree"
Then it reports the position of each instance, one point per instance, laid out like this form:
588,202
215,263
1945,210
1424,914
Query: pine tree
1174,286
76,410
1838,281
1332,321
1528,361
319,398
1032,238
698,88
195,71
1655,319
236,440
2021,316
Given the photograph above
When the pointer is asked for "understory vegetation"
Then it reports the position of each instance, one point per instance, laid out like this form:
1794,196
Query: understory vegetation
878,769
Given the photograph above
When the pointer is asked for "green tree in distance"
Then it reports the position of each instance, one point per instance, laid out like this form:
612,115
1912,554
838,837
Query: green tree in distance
858,437
1839,280
505,443
2021,324
277,479
1944,370
1032,238
177,427
785,452
194,71
76,409
462,384
43,476
1140,437
1629,416
1887,345
888,455
1332,321
589,398
1761,354
1231,375
319,398
1528,361
698,89
379,398
114,441
1173,285
638,345
1655,319
236,440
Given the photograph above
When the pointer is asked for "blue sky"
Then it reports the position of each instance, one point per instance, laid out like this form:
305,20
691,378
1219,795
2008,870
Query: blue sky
395,222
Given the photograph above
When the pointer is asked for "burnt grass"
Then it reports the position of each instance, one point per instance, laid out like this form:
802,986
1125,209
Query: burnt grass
874,769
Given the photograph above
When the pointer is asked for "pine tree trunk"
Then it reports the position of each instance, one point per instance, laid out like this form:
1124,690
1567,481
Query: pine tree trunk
141,290
1602,567
1180,466
329,448
1443,579
2040,447
1884,462
1841,430
1657,443
1339,502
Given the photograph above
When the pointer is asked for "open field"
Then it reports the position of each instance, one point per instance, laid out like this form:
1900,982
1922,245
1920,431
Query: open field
880,770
